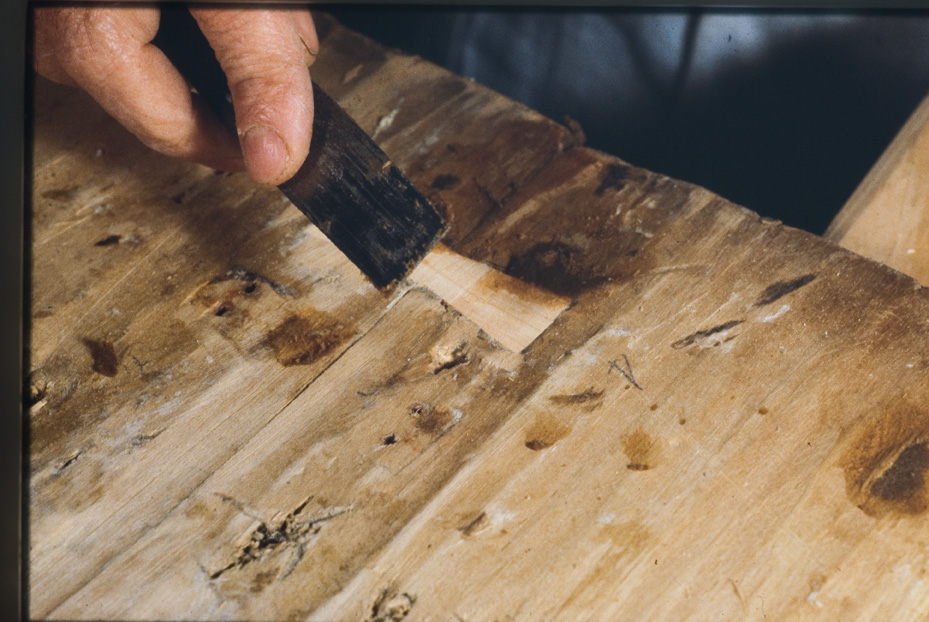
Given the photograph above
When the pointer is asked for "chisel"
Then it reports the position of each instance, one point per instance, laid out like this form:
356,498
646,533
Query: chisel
355,195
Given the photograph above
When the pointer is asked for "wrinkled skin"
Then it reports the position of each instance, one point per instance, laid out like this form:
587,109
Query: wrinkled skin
107,51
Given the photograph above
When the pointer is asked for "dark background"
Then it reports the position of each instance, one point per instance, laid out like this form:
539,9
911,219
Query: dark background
789,135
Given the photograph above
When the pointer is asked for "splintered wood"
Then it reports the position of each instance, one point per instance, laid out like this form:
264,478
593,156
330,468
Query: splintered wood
228,422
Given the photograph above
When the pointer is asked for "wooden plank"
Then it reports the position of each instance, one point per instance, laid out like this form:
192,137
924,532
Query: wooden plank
887,217
228,422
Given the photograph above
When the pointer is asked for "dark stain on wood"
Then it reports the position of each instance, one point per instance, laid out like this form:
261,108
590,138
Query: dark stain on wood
887,463
499,282
640,450
103,357
303,339
109,240
905,477
588,400
614,178
445,182
60,194
261,580
429,419
703,334
590,395
554,266
778,290
545,431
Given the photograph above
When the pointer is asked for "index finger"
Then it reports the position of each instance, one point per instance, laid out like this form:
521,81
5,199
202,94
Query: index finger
264,55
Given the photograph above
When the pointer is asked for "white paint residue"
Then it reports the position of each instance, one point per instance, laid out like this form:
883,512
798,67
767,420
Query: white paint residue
497,517
911,251
386,121
813,598
770,318
606,519
617,332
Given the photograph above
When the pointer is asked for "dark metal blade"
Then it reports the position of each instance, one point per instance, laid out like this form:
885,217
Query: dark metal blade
347,186
350,189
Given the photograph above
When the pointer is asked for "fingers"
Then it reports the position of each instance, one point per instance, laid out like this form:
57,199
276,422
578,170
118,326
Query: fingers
265,54
107,52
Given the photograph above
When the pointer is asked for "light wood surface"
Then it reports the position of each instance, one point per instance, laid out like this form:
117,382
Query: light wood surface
227,422
511,311
887,217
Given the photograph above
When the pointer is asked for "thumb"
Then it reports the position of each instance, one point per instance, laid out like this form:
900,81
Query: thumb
265,60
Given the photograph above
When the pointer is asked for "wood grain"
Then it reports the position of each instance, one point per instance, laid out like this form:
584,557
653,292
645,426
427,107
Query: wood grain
512,312
228,422
887,217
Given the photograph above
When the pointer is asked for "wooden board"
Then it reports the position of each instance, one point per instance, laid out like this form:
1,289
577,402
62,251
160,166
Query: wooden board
228,422
887,217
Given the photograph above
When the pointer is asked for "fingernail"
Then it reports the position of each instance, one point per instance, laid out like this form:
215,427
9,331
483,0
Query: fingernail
266,154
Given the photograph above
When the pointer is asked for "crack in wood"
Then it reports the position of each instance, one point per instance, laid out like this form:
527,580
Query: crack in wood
778,290
590,395
293,531
692,338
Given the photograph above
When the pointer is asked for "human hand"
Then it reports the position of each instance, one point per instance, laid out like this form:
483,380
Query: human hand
108,52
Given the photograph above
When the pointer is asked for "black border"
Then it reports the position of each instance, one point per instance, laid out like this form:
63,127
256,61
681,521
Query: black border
15,231
13,545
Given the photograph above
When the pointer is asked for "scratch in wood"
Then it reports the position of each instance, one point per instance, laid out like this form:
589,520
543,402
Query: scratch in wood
626,370
738,594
